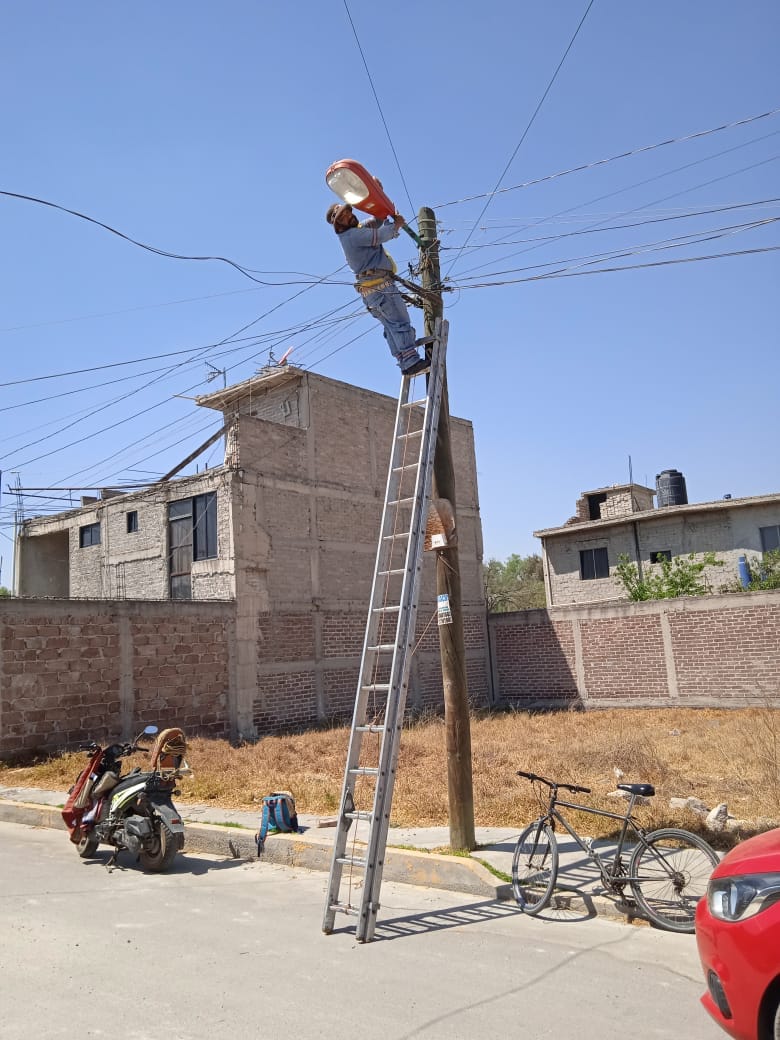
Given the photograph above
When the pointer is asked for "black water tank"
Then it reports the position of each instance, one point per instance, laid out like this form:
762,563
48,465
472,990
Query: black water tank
670,488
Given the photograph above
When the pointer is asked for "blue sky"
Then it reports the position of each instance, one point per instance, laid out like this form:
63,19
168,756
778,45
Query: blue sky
206,129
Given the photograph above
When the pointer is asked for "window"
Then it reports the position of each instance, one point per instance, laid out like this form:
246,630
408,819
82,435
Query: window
132,522
89,535
594,563
192,535
661,554
770,537
204,519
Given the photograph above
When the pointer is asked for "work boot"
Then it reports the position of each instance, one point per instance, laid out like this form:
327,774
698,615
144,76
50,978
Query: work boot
421,365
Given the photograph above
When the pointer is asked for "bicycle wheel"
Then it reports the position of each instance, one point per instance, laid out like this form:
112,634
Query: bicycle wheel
535,867
669,874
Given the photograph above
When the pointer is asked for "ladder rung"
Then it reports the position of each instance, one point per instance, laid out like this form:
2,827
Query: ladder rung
342,908
405,499
359,861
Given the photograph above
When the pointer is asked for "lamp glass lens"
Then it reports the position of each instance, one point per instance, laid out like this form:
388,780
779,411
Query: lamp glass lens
348,186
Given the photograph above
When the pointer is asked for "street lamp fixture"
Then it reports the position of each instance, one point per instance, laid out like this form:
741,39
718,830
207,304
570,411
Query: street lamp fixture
358,188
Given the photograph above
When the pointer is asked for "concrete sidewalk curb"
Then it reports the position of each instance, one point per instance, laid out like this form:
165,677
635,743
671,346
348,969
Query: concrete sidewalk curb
312,851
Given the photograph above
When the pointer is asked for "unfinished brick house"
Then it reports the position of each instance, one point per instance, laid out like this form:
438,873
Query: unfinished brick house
580,557
285,531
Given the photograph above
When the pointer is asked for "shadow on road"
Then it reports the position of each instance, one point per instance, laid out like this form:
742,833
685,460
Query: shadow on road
438,920
183,864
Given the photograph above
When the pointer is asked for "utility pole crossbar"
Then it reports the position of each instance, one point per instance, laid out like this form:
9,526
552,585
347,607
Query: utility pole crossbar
388,648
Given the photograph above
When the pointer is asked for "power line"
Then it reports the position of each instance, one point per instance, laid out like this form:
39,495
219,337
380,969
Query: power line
693,238
289,331
626,267
649,180
525,132
113,425
613,158
596,229
154,249
127,310
378,105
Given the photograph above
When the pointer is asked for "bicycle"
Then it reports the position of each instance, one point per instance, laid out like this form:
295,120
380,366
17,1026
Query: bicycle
667,871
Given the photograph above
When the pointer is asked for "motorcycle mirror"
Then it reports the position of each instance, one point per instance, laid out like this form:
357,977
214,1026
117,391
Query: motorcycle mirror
151,730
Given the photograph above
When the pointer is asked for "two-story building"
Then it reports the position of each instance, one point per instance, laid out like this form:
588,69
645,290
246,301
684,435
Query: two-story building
580,556
286,531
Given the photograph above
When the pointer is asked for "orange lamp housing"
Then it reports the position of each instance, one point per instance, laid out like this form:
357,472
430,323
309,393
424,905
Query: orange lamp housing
355,185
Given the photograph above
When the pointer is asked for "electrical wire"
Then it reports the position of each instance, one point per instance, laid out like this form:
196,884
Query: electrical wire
614,158
627,267
290,331
596,229
548,88
158,379
379,106
136,415
127,310
654,202
154,249
693,238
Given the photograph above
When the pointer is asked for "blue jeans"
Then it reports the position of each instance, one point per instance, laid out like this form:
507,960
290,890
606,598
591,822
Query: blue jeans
387,306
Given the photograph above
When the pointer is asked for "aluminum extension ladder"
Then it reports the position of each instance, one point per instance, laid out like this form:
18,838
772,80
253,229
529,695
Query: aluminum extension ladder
388,647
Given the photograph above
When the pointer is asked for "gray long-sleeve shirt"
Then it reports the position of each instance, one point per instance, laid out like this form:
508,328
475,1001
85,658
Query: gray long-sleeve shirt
362,245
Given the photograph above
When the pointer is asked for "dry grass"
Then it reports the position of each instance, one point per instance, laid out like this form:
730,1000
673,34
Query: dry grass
714,755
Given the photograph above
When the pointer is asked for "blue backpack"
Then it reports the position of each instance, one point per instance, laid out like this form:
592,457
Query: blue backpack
278,816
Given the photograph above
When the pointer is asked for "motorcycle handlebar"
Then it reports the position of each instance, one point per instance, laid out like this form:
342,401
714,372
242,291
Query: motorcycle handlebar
119,750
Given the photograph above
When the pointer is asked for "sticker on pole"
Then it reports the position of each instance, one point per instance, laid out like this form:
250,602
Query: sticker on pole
443,612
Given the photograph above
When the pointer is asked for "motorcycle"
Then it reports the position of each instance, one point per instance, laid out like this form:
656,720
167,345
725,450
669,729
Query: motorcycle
134,812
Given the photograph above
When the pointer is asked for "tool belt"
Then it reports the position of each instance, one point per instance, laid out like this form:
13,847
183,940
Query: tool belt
372,280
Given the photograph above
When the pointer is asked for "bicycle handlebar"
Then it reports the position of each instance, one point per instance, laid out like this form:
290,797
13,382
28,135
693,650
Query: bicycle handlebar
553,783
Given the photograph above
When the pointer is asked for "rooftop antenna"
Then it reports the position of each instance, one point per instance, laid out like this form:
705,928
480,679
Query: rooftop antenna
212,375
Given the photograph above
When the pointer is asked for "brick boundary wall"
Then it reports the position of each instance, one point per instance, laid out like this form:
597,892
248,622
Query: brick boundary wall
73,670
713,651
77,670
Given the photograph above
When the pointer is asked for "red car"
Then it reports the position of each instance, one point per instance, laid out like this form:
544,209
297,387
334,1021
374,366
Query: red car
738,934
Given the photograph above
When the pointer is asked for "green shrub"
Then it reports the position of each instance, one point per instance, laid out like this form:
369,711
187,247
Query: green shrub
667,579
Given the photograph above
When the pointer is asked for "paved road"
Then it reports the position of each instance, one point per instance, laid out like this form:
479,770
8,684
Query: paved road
227,949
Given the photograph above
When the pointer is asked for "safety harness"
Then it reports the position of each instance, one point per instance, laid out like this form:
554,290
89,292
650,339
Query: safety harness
373,279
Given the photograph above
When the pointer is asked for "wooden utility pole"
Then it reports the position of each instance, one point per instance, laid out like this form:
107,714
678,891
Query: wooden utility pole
451,641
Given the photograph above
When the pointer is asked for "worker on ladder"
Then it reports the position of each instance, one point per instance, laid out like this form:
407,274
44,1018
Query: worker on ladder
374,270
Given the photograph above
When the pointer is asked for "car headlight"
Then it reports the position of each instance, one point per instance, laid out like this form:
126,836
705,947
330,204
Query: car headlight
737,898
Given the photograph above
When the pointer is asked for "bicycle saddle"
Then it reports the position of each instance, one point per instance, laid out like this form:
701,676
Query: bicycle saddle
645,790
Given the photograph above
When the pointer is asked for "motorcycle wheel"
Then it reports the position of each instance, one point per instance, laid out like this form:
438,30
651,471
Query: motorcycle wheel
87,847
161,849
